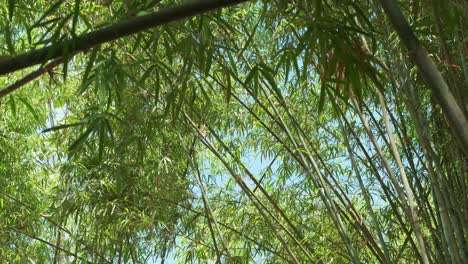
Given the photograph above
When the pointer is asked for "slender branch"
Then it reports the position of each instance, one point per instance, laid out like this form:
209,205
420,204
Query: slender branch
54,223
269,198
255,201
30,77
414,218
265,173
208,210
113,32
48,243
260,245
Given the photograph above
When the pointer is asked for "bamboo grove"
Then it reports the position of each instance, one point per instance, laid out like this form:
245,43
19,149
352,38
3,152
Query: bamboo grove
282,131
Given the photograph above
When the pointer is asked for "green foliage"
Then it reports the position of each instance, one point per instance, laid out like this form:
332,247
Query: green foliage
251,134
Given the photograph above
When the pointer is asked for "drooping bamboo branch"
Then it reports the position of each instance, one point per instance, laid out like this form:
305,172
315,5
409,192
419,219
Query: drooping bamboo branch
113,32
30,77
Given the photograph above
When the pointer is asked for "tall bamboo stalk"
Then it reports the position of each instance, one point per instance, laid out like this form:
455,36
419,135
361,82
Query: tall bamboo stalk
431,74
408,190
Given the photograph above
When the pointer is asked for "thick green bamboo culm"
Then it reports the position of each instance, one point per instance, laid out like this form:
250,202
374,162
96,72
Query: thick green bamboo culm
429,71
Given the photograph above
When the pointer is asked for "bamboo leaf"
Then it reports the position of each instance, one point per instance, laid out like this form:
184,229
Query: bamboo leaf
48,12
60,127
11,9
31,109
89,65
78,143
76,14
252,79
12,103
321,101
228,92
